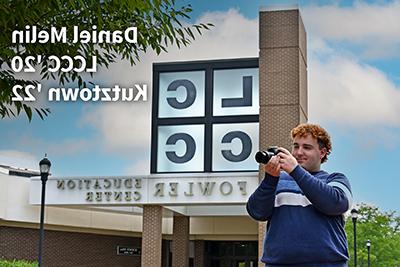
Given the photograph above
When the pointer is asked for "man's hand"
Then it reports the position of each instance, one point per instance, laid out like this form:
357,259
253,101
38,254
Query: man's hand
286,160
273,167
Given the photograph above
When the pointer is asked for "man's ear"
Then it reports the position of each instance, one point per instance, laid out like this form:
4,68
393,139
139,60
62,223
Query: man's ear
323,153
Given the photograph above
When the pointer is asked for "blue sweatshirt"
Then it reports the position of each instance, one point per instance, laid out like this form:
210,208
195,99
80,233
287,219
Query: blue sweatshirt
305,217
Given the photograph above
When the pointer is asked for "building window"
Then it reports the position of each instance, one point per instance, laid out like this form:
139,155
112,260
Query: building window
231,253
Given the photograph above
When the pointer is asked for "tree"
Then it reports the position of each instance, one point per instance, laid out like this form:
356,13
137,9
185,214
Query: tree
157,21
383,230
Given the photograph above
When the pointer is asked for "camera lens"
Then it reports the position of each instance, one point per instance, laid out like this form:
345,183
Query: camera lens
264,156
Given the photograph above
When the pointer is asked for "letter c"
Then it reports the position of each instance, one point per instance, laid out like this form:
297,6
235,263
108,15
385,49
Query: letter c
190,94
246,146
190,148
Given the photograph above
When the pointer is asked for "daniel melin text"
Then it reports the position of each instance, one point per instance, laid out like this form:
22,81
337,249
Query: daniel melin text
66,63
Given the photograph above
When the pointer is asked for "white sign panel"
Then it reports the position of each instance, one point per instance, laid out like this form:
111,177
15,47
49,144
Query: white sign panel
90,191
234,146
180,148
235,92
130,191
181,94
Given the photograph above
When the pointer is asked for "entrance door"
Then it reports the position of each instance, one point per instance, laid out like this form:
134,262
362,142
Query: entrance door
231,253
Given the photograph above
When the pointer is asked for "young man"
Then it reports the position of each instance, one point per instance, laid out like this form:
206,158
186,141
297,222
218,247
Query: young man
303,204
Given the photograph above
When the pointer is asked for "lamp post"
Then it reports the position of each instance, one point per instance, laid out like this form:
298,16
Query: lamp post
44,165
354,215
369,252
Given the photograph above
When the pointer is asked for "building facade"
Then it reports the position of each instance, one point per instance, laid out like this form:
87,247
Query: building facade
173,217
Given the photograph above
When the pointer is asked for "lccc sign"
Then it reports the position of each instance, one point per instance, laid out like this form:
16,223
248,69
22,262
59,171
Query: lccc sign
205,116
204,138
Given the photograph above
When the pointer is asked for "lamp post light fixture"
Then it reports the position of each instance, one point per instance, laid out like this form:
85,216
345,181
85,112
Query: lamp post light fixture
44,165
369,251
354,215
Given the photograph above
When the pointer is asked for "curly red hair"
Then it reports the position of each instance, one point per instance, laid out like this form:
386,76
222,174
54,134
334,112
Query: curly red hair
316,131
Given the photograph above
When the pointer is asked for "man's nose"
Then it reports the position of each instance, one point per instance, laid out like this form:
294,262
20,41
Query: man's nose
300,151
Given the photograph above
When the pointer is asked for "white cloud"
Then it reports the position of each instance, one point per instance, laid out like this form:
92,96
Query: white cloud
342,88
141,167
19,159
348,92
375,27
233,36
123,127
62,147
69,147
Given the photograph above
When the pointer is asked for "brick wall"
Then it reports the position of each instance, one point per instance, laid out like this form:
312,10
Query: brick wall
283,81
199,253
152,236
283,76
180,241
67,248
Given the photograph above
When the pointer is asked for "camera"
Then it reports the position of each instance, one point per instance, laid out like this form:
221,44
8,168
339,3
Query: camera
265,156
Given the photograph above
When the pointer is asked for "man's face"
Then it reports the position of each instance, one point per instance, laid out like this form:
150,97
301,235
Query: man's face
307,152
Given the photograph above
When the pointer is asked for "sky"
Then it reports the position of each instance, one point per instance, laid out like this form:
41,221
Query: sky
353,86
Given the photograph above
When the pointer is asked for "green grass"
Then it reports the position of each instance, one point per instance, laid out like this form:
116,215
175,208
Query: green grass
17,263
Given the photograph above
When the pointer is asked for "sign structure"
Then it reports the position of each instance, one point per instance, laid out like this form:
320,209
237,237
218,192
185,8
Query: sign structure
129,251
204,138
156,189
205,116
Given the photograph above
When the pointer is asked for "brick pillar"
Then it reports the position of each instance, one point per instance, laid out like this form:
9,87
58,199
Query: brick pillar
283,80
199,253
180,241
152,236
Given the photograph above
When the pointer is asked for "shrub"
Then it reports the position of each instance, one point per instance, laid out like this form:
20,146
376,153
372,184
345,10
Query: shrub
17,263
